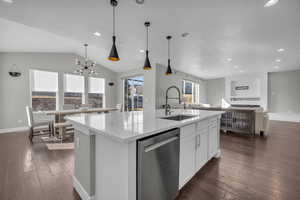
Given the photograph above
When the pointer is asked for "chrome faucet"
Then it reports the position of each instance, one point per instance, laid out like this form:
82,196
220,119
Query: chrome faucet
167,106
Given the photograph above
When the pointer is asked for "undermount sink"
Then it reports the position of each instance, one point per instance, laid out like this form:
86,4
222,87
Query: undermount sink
179,117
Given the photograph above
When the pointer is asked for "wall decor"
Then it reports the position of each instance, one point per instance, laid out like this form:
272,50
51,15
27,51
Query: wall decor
14,71
111,83
245,88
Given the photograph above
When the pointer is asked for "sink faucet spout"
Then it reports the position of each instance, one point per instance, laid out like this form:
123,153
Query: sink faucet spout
167,106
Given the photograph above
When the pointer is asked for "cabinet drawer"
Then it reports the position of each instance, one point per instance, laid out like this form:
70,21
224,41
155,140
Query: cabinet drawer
187,131
202,125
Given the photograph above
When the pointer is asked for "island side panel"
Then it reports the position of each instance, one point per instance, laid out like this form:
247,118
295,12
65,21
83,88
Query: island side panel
84,169
218,155
115,169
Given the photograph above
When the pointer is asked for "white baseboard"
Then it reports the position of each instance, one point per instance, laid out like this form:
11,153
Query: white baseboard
288,117
13,130
81,191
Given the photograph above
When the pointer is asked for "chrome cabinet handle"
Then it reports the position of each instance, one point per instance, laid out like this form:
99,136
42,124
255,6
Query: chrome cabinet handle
159,144
199,140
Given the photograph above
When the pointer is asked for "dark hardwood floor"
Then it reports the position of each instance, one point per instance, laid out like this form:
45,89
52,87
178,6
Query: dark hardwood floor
250,168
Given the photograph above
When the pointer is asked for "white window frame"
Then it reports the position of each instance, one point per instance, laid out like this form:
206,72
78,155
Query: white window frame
61,87
84,93
195,90
88,88
31,85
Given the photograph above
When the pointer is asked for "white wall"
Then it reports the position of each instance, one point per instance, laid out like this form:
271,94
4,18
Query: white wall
215,90
263,88
284,92
149,87
163,82
15,92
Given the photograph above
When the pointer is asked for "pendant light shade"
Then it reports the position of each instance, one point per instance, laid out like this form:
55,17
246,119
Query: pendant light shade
114,56
169,69
147,65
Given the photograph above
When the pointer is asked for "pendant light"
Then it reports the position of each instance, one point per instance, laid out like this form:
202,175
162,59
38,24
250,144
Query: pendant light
147,65
113,56
169,70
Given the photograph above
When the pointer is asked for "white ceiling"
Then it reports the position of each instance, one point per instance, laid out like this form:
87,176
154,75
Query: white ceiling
15,37
239,29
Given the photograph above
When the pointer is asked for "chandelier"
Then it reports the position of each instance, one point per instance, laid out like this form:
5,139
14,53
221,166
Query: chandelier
86,67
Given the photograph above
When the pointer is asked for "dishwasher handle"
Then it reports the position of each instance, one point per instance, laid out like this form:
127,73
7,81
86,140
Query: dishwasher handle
159,144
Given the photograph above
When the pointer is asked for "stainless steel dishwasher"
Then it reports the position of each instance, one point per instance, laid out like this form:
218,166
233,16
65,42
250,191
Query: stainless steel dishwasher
158,166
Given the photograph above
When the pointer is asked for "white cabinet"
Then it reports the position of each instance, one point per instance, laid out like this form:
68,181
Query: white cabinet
199,142
202,149
187,154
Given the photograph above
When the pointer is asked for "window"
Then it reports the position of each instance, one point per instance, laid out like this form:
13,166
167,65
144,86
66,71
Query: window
74,90
44,88
96,92
191,92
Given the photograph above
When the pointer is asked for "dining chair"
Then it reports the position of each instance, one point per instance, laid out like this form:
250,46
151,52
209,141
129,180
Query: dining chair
64,129
43,126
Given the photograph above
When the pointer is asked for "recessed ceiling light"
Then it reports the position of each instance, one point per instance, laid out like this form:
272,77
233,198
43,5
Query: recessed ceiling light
276,67
142,51
229,59
235,67
271,3
278,60
97,34
241,71
8,1
280,50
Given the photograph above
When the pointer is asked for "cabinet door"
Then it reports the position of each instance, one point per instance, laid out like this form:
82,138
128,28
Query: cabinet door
202,149
213,140
187,159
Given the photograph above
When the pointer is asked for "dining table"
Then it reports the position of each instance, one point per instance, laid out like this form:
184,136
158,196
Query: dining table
60,122
60,114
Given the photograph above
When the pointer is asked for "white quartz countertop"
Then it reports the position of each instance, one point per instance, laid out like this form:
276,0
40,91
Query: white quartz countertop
130,126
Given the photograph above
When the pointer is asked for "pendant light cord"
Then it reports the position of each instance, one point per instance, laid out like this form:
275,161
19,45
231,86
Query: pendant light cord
114,21
85,51
169,49
147,37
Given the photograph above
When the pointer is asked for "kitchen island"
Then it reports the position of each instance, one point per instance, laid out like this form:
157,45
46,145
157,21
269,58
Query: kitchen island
106,149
